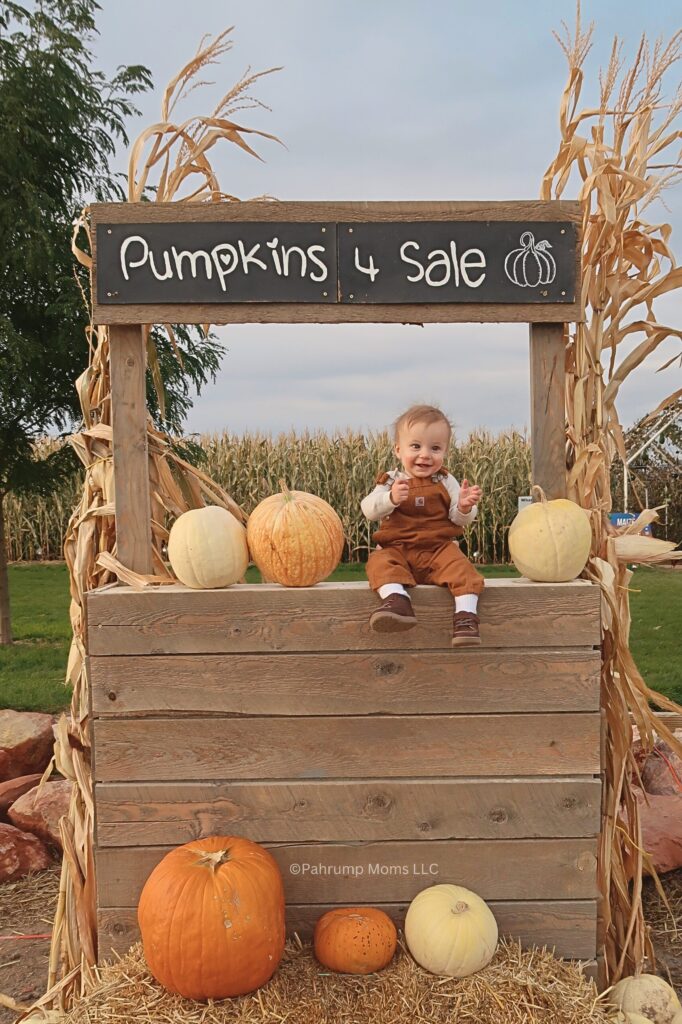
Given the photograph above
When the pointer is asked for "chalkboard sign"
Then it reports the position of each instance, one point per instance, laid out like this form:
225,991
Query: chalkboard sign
337,262
356,263
457,262
216,263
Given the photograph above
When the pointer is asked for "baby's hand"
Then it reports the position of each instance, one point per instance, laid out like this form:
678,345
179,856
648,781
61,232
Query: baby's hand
468,496
400,491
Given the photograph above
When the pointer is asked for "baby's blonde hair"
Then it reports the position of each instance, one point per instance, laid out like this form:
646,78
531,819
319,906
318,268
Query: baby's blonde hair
420,414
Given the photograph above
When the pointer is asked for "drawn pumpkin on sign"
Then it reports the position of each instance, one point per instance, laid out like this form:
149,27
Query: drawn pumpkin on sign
532,264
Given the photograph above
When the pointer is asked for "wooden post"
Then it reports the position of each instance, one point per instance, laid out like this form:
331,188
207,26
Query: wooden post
131,470
547,408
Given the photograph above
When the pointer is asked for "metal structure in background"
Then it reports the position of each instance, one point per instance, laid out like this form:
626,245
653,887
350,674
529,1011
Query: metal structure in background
661,423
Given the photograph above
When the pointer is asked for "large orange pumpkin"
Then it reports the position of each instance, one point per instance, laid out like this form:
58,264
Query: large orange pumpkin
295,538
211,916
355,940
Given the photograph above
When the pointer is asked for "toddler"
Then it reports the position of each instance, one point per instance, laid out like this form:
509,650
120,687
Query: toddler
422,510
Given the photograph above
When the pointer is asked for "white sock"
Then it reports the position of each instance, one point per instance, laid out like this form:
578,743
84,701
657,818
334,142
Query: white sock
391,588
466,603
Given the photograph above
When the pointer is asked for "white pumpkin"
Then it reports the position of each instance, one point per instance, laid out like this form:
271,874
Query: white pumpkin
450,931
648,995
549,541
207,548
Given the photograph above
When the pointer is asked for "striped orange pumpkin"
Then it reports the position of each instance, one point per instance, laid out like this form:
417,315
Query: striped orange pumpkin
295,538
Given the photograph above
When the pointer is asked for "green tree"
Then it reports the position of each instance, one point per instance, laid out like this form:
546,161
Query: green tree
61,120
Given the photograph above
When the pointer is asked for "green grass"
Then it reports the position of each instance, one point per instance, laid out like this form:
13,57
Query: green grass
656,630
32,669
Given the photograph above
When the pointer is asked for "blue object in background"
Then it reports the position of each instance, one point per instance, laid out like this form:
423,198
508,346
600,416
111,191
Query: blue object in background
622,518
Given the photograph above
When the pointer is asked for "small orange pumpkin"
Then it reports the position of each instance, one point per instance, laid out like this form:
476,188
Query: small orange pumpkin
355,940
211,917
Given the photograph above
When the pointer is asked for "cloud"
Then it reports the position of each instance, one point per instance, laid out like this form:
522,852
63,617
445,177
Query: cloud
439,100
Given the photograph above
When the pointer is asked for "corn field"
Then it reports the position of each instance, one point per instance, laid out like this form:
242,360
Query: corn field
35,527
340,468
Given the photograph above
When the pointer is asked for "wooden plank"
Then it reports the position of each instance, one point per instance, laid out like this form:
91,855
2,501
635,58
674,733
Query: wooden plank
601,974
332,617
672,719
164,813
351,210
127,361
341,313
363,683
503,869
186,749
567,926
547,408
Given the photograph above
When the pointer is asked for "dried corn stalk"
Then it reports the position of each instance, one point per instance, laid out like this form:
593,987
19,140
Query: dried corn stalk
177,158
625,152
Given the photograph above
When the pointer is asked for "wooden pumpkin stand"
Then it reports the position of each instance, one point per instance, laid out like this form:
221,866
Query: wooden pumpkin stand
371,765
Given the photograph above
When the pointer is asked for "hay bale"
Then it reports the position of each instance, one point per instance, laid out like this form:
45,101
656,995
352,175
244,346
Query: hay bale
517,987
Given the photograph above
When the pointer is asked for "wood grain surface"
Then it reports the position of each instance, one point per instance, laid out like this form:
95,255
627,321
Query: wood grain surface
186,749
331,617
567,926
127,361
352,210
166,813
548,408
391,871
393,682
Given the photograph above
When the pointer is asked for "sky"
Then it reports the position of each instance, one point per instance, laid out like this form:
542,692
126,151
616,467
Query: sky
392,100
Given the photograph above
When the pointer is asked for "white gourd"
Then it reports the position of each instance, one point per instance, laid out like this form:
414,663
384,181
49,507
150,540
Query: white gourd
207,548
647,995
549,541
450,931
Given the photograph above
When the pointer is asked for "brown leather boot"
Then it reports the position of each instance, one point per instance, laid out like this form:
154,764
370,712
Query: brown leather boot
465,630
394,615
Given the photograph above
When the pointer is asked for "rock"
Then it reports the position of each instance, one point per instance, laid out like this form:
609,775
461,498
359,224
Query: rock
39,812
21,852
662,771
661,828
13,789
26,742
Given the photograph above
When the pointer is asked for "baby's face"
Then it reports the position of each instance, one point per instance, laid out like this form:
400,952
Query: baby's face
421,448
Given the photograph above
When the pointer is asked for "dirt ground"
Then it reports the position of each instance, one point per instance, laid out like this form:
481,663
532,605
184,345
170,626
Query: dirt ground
27,909
667,941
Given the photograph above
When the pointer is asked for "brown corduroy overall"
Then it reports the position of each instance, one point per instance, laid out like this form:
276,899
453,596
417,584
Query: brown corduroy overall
417,544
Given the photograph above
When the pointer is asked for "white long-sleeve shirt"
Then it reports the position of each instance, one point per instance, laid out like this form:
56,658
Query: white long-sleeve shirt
378,504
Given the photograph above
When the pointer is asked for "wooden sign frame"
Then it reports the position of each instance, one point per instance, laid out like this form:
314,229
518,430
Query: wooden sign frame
128,356
324,213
